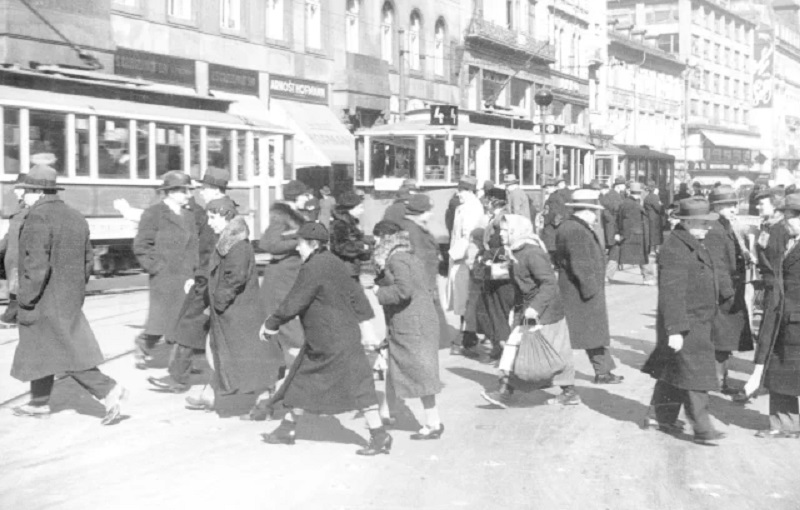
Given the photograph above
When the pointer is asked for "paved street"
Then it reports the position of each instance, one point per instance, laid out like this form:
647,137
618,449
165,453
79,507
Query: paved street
593,456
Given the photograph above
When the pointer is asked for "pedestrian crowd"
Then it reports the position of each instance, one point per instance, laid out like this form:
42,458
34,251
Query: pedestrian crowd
529,285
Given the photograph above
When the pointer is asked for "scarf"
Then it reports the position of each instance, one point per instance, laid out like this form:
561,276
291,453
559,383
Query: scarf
388,245
520,233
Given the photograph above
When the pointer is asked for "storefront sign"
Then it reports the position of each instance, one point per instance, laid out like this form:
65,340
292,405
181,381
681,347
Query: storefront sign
763,75
727,156
154,67
286,87
232,79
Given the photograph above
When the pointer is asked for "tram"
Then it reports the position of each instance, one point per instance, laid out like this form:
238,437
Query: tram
485,145
113,138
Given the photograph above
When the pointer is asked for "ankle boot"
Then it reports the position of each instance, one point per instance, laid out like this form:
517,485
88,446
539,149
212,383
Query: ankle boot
379,442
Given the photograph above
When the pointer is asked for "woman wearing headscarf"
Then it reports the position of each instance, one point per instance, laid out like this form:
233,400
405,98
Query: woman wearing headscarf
242,367
332,374
538,302
413,334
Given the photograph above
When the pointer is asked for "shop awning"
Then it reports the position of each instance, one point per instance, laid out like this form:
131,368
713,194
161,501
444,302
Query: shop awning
644,152
732,140
321,139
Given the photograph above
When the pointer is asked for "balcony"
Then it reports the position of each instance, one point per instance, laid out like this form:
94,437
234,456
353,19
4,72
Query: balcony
485,32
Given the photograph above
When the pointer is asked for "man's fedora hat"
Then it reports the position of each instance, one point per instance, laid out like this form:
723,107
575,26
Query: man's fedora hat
348,200
636,187
696,208
175,179
723,195
313,231
418,204
585,199
791,203
20,180
510,179
216,176
325,190
40,177
293,189
620,180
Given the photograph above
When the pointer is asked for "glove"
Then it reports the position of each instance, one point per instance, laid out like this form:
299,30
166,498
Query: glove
188,285
676,342
265,335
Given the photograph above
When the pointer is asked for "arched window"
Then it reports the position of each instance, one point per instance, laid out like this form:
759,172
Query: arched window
387,32
414,41
352,25
440,36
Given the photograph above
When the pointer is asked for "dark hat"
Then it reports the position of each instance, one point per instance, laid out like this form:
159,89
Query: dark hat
497,203
20,180
593,184
696,184
620,180
695,208
216,176
723,195
468,182
636,187
313,231
769,193
510,179
40,177
325,190
560,179
293,189
487,185
418,204
223,206
409,184
791,203
585,199
550,182
348,200
175,179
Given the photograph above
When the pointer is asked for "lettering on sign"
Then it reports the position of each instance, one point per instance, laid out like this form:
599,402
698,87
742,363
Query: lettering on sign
232,79
154,67
763,75
298,90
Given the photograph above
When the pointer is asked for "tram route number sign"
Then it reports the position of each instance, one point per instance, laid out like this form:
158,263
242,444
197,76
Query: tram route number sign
444,115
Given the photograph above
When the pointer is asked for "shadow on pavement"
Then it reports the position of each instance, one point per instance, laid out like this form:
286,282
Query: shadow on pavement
612,405
731,413
327,429
69,395
629,357
487,381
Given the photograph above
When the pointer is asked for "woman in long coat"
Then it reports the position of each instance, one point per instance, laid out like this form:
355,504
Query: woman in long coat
683,360
412,322
538,301
347,238
633,229
332,374
655,217
242,367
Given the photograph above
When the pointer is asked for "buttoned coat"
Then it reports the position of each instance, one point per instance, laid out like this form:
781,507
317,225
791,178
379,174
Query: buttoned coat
779,336
242,363
412,327
9,248
166,246
634,228
332,375
655,216
687,304
731,331
55,262
581,266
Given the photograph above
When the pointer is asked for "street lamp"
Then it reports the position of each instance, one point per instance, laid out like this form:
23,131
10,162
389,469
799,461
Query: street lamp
543,98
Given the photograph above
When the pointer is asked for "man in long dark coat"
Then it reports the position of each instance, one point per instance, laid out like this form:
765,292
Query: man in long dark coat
683,360
581,282
9,251
731,330
777,360
55,262
633,232
189,336
655,216
611,202
166,246
555,212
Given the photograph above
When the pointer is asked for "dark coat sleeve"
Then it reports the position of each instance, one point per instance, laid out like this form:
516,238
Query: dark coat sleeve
302,294
576,252
673,274
234,273
401,290
35,245
717,247
536,280
144,244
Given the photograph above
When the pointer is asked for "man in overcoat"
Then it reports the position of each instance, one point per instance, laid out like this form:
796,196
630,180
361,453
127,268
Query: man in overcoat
777,360
731,331
581,282
189,335
555,212
517,201
683,360
654,210
9,251
633,232
166,246
611,202
55,262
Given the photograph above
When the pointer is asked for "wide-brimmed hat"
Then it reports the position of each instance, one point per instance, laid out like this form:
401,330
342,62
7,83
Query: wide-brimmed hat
695,208
20,180
770,192
510,179
325,190
349,199
791,203
175,179
313,231
620,180
418,204
585,199
636,187
468,183
723,195
216,176
549,182
40,177
593,184
293,189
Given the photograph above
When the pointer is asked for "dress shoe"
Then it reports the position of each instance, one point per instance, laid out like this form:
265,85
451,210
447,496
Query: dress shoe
777,434
168,384
284,434
565,398
33,411
674,428
199,404
709,439
113,405
380,442
427,434
608,378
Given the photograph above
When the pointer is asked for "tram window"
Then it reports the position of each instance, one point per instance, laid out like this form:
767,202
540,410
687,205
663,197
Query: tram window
435,160
458,160
241,150
10,141
142,150
508,163
82,146
195,169
48,137
360,177
395,158
169,148
527,164
113,149
219,149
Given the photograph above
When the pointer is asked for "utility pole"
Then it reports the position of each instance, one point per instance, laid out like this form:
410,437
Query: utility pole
401,69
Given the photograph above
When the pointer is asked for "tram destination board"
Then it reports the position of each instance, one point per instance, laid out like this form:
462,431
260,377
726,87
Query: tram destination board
444,115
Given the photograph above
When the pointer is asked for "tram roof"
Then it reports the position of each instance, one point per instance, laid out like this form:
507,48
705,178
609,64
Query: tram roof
89,105
414,128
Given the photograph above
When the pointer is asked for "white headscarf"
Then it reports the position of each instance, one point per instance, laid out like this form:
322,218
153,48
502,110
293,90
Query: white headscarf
520,232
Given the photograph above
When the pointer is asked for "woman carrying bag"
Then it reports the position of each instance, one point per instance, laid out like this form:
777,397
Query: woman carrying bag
538,302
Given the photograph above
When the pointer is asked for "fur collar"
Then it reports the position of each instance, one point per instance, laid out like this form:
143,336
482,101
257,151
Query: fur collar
235,231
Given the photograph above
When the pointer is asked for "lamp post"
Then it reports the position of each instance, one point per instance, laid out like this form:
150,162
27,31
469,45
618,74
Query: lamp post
543,98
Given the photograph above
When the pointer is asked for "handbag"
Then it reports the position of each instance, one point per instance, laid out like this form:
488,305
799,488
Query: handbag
537,360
